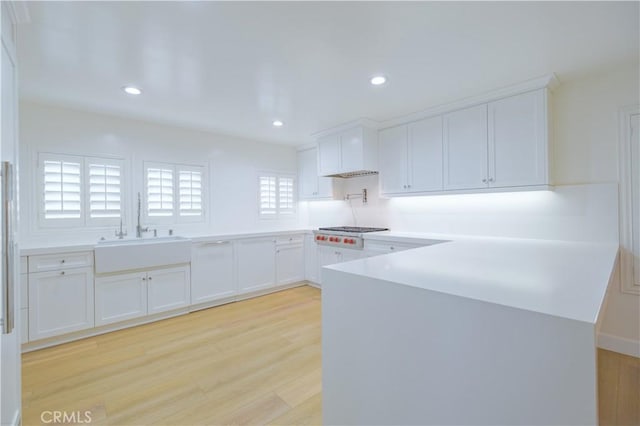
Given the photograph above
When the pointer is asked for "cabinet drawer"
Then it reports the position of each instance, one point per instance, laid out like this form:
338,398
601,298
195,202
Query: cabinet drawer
388,246
290,240
58,261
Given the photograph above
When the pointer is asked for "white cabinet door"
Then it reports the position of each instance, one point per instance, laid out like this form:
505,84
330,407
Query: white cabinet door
311,259
120,297
290,263
307,174
329,161
347,255
518,140
60,302
212,271
168,289
326,256
393,155
256,264
351,149
465,148
310,185
425,155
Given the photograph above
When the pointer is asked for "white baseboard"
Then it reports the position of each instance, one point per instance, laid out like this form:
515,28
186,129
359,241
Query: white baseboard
619,344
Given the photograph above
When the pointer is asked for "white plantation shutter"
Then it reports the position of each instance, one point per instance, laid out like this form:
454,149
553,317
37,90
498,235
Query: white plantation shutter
190,192
105,189
160,191
276,196
61,188
268,196
285,195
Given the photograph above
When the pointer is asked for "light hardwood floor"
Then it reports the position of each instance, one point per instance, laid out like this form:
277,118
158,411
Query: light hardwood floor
251,362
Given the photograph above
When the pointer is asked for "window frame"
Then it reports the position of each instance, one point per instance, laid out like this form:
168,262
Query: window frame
84,221
175,217
279,212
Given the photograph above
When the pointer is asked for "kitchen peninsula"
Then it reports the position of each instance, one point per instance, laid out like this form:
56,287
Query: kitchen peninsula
469,331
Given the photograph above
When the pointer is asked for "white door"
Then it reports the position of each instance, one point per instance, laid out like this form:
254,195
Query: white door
465,148
311,259
351,149
168,289
392,159
120,297
518,140
425,155
290,263
256,264
329,155
212,271
307,174
60,302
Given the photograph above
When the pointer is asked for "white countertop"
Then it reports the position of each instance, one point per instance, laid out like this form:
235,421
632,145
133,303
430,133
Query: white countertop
563,279
37,248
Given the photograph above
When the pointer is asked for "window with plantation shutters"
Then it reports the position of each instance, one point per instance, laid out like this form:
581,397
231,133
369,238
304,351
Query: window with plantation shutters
174,192
62,188
276,195
190,193
268,194
79,191
285,195
104,189
160,191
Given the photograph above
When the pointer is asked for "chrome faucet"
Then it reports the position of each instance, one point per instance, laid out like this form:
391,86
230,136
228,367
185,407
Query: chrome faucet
139,228
122,233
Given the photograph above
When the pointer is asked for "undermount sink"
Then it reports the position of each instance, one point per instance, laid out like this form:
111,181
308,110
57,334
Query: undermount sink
141,253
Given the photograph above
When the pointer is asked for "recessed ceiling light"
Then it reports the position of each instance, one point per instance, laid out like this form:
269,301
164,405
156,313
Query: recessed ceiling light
278,123
132,90
378,80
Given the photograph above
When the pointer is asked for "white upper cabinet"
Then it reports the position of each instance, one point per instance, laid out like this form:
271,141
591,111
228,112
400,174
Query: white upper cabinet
310,185
465,148
329,156
393,159
425,155
518,148
350,151
411,157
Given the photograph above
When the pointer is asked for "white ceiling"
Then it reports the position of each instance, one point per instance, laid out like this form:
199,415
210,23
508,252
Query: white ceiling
234,67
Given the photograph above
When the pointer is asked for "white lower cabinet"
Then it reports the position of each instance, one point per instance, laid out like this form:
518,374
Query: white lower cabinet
255,264
331,255
24,304
120,297
60,302
24,331
212,271
311,270
168,289
290,260
132,295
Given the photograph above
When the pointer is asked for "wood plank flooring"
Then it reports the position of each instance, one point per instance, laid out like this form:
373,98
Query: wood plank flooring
251,362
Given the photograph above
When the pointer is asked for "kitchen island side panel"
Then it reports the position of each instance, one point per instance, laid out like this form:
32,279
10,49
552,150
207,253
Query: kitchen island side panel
395,354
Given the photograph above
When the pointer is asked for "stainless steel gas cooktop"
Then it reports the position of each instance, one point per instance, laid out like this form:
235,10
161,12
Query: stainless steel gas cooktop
344,236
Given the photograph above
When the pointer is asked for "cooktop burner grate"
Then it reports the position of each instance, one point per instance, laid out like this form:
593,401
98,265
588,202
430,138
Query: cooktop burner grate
354,229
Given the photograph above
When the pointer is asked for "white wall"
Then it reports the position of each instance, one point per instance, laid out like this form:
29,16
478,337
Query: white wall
583,206
232,165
